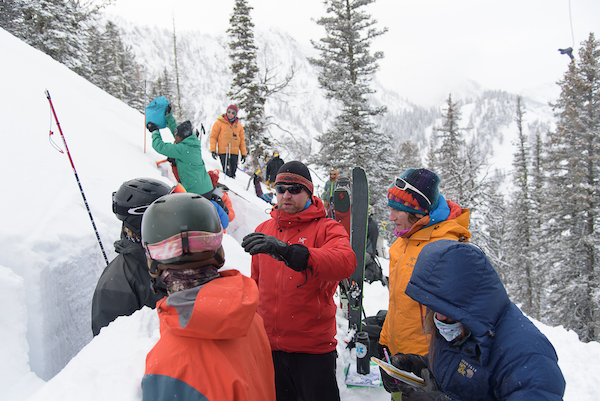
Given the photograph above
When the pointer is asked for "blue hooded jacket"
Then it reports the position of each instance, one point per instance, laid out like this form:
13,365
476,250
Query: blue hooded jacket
506,357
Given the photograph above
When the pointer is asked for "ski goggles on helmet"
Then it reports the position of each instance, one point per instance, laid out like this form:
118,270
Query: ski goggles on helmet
402,184
292,189
183,243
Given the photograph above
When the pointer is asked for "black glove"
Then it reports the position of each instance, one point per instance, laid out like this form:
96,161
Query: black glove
294,256
409,362
214,155
243,159
168,110
152,127
431,391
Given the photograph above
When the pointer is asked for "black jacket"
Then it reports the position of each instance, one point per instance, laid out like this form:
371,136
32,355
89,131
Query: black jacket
124,286
273,167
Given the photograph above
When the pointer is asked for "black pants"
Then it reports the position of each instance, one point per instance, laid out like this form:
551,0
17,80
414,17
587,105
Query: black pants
305,377
229,166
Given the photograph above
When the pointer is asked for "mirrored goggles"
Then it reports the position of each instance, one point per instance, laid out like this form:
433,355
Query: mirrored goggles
402,184
184,243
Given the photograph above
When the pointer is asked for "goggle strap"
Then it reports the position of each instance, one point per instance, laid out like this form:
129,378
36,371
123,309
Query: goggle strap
185,243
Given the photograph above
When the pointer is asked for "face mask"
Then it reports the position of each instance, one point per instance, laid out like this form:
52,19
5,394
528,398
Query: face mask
450,331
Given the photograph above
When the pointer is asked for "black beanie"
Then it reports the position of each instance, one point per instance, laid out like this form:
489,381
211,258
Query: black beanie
184,129
295,172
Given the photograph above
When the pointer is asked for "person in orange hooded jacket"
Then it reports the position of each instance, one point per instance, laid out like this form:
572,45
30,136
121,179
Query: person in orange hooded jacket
421,216
298,258
213,344
227,140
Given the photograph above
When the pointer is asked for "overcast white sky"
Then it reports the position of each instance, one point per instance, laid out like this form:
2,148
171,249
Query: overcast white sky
432,48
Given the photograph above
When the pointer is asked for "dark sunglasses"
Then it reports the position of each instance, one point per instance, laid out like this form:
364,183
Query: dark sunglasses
402,184
293,189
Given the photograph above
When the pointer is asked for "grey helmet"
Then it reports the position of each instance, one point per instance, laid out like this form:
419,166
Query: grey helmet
182,227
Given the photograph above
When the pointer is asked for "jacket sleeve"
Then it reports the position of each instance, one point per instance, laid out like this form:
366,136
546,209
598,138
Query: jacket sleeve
534,377
227,202
214,136
242,140
334,259
171,123
167,149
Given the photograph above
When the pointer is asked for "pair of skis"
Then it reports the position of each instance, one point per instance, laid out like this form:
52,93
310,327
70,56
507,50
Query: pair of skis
350,204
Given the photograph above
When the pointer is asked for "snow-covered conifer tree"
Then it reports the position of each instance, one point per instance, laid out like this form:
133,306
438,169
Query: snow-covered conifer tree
346,70
246,89
573,198
523,278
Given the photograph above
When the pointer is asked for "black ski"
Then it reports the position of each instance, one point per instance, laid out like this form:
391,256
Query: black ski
358,238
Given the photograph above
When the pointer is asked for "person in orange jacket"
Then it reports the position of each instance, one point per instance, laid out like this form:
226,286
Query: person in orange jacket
213,344
214,177
299,257
227,140
421,216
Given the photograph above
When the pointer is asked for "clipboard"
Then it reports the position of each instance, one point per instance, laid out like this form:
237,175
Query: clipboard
399,374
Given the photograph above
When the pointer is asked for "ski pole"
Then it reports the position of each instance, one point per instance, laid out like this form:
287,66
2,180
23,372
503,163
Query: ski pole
76,176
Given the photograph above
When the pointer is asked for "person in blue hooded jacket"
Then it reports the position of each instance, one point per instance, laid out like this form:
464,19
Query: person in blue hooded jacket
482,347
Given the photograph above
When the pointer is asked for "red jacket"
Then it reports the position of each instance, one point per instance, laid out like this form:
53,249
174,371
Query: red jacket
298,307
212,344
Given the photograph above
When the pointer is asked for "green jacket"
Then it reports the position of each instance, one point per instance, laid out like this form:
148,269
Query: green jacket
188,155
329,189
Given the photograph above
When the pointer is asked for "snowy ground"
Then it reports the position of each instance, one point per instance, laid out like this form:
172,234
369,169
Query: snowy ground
50,259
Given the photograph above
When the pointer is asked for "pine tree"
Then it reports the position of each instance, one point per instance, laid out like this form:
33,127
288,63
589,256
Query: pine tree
523,278
346,70
246,90
573,199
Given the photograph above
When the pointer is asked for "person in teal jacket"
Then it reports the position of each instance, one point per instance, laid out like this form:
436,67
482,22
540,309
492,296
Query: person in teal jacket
186,151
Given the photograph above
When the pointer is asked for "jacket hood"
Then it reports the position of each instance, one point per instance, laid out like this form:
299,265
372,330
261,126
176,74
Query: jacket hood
316,210
219,310
457,280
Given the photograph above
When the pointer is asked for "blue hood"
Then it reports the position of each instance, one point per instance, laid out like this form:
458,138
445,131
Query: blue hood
457,280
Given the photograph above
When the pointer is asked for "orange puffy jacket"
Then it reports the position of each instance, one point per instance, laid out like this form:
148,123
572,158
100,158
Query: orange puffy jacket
226,137
403,329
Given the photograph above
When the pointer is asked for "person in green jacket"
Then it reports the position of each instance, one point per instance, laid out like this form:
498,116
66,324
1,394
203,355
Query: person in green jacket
186,151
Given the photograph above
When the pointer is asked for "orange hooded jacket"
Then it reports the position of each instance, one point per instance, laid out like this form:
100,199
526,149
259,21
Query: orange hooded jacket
213,345
403,329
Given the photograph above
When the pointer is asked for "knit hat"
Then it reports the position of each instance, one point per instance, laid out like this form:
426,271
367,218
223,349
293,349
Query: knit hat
410,201
295,172
214,177
184,129
233,107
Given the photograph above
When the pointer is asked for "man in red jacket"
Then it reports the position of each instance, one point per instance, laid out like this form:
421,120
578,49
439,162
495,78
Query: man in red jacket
298,258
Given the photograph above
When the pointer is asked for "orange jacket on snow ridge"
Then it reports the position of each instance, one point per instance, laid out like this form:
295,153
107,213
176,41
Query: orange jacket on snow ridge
403,329
298,307
226,135
213,345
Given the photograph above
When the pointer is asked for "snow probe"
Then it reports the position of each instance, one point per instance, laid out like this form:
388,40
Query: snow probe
74,171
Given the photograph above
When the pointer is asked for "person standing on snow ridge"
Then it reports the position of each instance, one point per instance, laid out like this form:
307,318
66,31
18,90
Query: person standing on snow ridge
327,195
186,151
213,344
227,140
298,259
483,347
125,285
421,215
273,167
